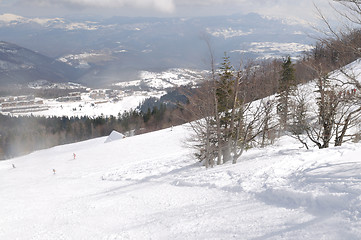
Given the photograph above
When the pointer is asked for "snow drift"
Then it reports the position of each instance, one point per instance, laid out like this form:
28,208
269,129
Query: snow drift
114,136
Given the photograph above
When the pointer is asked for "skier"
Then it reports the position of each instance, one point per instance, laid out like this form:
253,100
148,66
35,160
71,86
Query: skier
74,155
54,171
14,165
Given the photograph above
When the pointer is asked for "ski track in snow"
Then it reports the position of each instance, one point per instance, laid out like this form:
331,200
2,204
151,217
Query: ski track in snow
150,187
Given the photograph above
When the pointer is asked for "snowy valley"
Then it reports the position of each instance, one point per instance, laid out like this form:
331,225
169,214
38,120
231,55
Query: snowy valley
83,101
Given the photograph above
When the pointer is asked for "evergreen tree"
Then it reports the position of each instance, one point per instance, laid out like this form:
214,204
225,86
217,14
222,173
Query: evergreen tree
286,89
224,93
224,85
226,123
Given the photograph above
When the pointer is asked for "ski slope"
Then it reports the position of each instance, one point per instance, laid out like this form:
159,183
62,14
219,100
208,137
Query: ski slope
150,187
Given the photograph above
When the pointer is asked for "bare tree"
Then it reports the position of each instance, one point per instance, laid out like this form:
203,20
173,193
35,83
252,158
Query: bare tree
343,41
337,111
321,132
348,117
254,124
299,123
203,105
338,93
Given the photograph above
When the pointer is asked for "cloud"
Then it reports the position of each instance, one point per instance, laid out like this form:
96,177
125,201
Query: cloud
303,9
166,6
281,8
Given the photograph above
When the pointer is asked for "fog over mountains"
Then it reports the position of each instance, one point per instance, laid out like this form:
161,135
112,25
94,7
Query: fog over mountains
103,51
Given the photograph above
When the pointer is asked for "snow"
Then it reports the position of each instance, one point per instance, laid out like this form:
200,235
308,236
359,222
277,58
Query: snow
352,70
114,136
288,21
78,57
83,60
173,77
81,26
228,32
47,22
150,187
90,107
281,47
155,82
8,18
276,49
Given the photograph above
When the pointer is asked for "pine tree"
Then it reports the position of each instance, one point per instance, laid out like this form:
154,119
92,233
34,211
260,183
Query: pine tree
227,124
224,92
224,85
286,89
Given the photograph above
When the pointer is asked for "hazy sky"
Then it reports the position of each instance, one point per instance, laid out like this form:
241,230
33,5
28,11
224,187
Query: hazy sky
303,9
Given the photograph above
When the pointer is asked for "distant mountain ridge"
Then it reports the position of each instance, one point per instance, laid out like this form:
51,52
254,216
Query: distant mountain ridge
20,65
149,35
116,49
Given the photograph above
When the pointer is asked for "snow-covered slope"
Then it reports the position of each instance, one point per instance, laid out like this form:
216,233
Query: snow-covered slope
9,19
174,77
150,187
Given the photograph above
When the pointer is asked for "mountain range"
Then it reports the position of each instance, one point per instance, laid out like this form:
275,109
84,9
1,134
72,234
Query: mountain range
19,65
104,51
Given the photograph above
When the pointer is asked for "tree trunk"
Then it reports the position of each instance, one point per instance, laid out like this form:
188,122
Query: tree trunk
219,136
208,146
227,152
339,139
237,155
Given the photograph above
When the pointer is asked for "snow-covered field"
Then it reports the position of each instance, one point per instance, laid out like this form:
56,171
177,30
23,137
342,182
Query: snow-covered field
150,187
276,50
227,32
92,108
155,84
174,77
